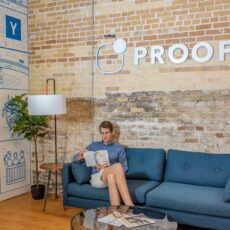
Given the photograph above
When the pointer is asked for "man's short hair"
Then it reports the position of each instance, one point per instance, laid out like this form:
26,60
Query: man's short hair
106,125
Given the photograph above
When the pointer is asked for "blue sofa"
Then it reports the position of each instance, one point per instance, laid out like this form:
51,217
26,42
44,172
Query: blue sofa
193,187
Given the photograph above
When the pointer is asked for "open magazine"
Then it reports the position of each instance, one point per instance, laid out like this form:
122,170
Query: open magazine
128,220
100,156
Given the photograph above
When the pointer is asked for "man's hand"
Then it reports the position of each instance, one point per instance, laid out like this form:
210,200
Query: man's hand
100,166
81,155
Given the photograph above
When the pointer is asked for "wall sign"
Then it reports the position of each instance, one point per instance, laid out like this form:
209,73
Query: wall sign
13,28
157,52
119,48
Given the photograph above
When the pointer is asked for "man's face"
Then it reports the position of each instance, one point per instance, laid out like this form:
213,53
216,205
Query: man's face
106,135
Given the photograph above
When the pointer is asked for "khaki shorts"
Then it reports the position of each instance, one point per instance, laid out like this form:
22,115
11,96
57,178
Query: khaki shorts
96,180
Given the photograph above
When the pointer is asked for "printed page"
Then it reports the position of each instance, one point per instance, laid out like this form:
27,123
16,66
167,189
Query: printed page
128,220
136,220
102,157
90,158
110,219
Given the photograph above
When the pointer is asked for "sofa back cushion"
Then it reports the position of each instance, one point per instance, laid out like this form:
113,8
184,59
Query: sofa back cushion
145,163
197,168
227,191
81,172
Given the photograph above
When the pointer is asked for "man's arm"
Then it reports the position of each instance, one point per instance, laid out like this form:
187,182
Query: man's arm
123,159
79,156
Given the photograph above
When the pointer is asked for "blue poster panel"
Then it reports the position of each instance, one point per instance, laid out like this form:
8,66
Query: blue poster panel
13,28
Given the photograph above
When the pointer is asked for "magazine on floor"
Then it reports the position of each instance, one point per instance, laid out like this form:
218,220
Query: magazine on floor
128,220
111,219
136,221
100,157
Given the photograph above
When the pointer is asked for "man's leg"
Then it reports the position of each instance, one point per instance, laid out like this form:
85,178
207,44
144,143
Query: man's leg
113,190
122,186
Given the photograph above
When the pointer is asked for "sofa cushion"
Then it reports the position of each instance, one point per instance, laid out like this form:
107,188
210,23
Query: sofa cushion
197,168
139,188
189,198
227,191
145,163
81,172
87,191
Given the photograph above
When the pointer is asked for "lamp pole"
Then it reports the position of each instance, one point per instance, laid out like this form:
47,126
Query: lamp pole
55,130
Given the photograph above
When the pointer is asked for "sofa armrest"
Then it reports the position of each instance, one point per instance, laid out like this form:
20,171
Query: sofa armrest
67,178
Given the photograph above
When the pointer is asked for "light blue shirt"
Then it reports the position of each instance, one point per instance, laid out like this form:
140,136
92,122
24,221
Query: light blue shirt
116,153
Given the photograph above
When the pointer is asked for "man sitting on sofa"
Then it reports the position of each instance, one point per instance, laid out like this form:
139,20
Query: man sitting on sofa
112,176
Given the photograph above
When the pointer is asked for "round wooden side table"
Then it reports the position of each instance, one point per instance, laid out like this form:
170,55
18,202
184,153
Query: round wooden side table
50,167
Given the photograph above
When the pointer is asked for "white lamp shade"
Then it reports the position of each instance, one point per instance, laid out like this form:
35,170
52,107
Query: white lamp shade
46,104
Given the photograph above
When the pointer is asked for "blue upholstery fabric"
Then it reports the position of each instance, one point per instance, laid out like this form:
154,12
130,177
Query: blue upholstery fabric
139,188
67,177
196,198
189,198
205,221
87,191
86,202
145,163
227,191
197,168
81,172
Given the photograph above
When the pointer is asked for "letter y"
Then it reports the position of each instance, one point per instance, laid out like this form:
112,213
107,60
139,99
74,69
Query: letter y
13,26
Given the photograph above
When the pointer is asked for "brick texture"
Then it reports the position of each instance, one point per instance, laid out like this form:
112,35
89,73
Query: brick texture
184,106
189,120
61,35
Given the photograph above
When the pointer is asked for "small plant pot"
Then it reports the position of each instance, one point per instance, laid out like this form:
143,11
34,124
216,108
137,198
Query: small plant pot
38,192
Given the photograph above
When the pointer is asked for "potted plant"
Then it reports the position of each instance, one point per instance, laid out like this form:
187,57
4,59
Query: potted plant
31,127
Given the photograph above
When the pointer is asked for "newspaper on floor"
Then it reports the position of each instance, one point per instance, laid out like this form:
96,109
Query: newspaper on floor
128,220
111,219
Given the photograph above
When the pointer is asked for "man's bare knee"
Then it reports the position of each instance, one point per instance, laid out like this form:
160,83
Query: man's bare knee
118,167
111,176
111,179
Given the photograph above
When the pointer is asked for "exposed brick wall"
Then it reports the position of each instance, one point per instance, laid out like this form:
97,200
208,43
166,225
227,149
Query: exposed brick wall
74,132
60,33
61,39
146,23
184,106
189,120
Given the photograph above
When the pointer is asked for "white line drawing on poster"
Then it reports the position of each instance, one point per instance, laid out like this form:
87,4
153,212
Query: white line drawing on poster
10,112
15,166
8,78
21,3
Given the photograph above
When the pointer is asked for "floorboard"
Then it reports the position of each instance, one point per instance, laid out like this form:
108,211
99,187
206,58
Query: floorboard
25,213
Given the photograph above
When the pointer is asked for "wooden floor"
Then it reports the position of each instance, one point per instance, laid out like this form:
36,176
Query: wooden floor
24,213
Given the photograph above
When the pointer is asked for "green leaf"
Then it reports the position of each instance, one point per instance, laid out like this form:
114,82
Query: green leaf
27,125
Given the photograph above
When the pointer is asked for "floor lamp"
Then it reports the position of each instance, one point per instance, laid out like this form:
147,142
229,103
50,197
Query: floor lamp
49,104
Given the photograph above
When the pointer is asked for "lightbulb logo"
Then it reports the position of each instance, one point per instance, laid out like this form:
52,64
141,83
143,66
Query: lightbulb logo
119,47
